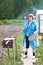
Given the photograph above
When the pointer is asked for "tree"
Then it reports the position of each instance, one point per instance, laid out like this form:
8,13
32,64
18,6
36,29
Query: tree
10,9
6,9
20,5
35,2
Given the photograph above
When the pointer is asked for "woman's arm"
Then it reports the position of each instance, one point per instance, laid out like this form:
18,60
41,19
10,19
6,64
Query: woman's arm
25,26
24,29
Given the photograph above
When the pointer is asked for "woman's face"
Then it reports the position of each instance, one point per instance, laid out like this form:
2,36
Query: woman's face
30,19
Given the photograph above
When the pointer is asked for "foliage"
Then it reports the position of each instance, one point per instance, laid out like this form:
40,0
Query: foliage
11,21
6,9
10,9
18,59
39,53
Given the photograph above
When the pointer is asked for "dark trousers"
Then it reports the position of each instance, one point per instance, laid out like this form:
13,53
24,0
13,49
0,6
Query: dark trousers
27,42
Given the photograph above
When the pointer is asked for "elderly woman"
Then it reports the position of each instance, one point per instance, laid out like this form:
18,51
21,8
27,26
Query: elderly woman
30,31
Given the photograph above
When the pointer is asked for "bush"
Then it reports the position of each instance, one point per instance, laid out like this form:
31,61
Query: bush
14,21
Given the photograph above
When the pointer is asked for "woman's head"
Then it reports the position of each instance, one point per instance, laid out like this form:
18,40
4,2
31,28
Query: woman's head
30,17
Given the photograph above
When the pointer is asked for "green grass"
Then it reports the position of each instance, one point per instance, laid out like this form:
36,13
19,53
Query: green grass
19,48
11,21
39,53
18,58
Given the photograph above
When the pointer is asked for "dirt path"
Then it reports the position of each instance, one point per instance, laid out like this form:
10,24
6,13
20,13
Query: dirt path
29,60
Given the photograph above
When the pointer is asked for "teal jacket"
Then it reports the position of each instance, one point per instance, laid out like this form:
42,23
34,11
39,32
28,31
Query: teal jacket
33,27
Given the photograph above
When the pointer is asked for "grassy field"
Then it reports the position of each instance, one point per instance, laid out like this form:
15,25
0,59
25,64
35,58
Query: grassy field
39,53
11,21
18,58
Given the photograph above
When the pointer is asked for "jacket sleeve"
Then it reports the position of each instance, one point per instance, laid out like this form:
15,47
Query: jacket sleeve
35,35
24,29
